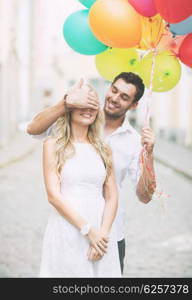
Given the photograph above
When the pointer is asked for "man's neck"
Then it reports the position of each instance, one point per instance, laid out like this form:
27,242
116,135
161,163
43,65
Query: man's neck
112,124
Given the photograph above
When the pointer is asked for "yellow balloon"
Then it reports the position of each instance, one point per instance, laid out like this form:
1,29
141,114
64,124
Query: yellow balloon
167,71
152,31
114,61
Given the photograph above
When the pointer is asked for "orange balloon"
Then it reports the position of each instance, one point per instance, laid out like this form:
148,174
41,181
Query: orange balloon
115,23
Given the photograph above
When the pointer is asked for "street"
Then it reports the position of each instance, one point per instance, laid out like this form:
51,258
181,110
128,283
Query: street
158,234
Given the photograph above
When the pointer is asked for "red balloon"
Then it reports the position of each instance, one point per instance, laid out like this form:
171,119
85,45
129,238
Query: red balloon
185,50
145,8
174,11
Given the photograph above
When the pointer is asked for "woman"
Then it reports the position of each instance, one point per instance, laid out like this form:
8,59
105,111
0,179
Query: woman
80,240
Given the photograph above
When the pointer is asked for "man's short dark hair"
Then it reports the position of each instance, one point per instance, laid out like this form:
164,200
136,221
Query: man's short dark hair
134,79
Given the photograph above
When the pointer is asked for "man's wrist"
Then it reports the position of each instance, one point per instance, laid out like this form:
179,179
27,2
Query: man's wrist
150,154
68,106
64,102
59,108
150,151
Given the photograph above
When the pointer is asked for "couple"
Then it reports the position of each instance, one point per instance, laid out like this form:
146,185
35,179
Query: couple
83,171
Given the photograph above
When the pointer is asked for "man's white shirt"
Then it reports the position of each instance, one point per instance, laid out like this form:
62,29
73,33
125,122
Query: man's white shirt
125,143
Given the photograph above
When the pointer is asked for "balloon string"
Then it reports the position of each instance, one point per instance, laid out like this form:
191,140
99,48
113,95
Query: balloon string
149,97
147,173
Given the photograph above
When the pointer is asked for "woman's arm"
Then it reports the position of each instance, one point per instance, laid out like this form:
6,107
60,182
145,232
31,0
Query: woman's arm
55,197
52,185
111,203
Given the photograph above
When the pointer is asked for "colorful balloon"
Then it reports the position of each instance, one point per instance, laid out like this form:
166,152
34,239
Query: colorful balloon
87,3
174,11
115,23
152,32
79,36
167,71
170,42
183,27
145,8
114,61
185,50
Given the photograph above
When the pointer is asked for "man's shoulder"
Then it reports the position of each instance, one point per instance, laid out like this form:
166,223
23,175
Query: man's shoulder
133,131
132,138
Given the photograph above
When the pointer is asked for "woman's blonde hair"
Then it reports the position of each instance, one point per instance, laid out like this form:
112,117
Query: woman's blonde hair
64,146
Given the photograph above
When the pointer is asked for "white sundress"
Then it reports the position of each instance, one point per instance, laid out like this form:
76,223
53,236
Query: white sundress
64,251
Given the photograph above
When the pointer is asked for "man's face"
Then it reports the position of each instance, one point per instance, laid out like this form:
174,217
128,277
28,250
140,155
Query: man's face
119,99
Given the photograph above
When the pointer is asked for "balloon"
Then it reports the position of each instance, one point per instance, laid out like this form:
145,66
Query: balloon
113,61
115,23
152,32
170,42
87,3
79,36
174,11
145,8
185,50
176,43
183,27
167,71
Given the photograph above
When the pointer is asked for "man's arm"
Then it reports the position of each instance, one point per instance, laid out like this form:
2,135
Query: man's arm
43,120
76,97
147,182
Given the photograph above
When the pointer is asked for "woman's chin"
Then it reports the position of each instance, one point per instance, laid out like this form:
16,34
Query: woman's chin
85,122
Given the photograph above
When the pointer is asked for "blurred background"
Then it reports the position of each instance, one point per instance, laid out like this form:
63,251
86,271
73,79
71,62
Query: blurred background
36,68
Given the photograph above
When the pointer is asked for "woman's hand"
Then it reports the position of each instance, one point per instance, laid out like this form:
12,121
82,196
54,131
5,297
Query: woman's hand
98,241
93,255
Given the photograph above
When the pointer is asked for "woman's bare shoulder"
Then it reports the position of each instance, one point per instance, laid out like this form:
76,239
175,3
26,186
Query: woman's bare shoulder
49,142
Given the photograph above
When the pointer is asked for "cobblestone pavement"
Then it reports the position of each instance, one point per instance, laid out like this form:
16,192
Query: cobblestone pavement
158,235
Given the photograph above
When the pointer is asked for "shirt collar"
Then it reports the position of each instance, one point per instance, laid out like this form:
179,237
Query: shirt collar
125,127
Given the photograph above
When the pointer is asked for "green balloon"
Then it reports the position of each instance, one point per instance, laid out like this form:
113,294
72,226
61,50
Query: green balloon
87,3
113,61
167,71
78,35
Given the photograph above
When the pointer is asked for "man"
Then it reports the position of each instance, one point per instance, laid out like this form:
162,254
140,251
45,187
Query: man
123,95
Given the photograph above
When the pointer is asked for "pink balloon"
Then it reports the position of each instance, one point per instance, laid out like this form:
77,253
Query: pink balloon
145,8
